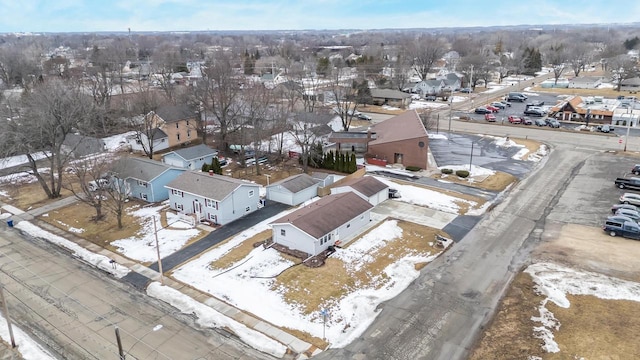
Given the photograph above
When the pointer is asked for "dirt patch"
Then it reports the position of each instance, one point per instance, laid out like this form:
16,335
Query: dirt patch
27,196
496,182
381,110
531,145
607,93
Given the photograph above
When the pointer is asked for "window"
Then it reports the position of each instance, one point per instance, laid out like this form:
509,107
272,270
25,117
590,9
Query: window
143,196
211,203
248,208
188,133
178,135
213,218
283,232
177,125
251,193
187,122
142,183
179,206
177,192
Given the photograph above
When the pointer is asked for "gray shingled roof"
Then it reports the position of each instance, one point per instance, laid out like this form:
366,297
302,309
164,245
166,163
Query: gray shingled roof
327,214
296,183
367,185
215,187
389,94
194,152
172,113
139,168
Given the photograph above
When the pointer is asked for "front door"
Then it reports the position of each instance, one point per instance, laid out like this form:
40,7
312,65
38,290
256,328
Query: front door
197,207
397,158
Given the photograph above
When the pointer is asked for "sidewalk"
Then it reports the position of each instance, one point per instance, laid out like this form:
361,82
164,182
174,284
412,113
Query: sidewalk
142,274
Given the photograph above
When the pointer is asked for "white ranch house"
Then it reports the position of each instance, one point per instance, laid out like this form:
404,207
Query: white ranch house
293,190
368,188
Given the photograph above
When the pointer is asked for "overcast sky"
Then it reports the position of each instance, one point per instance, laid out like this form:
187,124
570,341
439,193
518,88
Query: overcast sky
178,15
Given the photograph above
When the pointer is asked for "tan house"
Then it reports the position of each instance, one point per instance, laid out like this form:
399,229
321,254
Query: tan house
401,139
178,122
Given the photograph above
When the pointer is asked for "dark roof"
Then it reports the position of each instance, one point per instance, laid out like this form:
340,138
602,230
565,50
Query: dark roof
173,113
139,168
296,183
82,145
389,94
401,127
215,187
327,214
367,185
194,152
157,133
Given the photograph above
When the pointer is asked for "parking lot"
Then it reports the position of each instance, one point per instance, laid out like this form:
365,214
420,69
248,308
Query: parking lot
588,198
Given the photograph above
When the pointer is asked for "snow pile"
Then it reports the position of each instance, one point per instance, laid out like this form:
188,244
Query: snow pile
209,318
419,104
555,281
520,154
543,150
97,260
20,160
117,142
27,347
506,142
475,170
387,107
437,136
142,246
458,98
429,198
390,170
248,286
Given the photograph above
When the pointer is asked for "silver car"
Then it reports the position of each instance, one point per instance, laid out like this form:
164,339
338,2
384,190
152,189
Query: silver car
634,215
630,198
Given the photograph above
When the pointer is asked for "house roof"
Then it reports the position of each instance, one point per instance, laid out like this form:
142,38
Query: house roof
389,94
157,133
215,187
194,152
140,169
327,214
367,185
296,183
173,113
586,79
635,81
401,127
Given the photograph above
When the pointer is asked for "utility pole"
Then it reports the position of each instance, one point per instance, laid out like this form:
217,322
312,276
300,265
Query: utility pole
6,316
119,341
155,232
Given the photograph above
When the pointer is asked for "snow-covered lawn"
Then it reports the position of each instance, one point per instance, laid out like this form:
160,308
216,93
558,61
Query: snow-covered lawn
142,246
556,282
420,104
474,170
249,284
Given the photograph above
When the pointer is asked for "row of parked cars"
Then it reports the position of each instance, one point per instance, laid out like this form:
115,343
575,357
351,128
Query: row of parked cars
626,214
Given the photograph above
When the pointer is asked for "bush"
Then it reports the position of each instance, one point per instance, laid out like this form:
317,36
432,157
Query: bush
413,168
446,171
462,173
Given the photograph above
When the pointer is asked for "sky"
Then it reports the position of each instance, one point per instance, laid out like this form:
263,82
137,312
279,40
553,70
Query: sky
193,15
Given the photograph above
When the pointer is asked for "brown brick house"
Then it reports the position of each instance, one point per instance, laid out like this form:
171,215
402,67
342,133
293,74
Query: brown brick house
402,140
178,122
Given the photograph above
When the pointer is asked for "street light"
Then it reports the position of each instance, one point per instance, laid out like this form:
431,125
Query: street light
450,111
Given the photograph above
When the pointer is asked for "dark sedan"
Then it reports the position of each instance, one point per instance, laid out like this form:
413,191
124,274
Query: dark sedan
483,110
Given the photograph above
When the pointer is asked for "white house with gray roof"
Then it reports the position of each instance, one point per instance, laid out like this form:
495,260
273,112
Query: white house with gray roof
367,187
332,220
293,190
192,157
216,198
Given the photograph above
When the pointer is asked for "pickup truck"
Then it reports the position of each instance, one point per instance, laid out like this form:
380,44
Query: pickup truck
627,229
630,183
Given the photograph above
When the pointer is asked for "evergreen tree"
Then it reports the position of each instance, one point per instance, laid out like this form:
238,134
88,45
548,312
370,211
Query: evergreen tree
338,163
205,167
352,164
329,162
343,163
322,68
215,166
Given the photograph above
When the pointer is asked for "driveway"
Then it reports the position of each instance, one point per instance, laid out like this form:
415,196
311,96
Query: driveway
414,213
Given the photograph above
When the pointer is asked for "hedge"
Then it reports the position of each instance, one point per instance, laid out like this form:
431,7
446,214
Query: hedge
413,168
446,171
462,173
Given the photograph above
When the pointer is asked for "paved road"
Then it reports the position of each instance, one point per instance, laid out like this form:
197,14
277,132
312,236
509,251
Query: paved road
72,308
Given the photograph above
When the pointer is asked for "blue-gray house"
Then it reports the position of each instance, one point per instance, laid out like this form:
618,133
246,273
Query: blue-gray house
191,158
145,179
216,198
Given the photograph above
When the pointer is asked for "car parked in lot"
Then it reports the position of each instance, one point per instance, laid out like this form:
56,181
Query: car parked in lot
492,108
506,103
515,119
619,218
466,90
604,128
552,122
636,169
537,103
498,104
430,98
362,116
527,121
627,229
490,117
540,122
630,198
534,111
617,207
482,110
634,215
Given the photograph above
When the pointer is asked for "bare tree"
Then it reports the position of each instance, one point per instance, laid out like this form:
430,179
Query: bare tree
118,195
54,110
166,62
143,119
557,57
578,57
301,130
90,184
426,50
345,97
622,68
18,68
256,100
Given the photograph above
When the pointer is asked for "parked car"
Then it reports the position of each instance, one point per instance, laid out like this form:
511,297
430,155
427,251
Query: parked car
534,111
527,121
515,96
540,122
490,117
627,229
466,90
634,215
430,98
630,198
482,110
362,116
636,169
506,103
535,103
552,122
499,105
630,183
515,119
492,108
616,207
99,184
619,218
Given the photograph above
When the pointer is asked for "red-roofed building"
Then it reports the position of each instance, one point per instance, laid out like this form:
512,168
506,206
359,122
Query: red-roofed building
401,139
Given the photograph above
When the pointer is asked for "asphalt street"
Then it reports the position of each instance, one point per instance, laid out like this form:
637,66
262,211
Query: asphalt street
72,309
